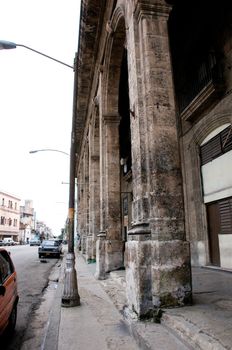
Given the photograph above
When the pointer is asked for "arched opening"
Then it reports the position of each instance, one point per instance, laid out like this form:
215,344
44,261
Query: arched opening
125,149
115,142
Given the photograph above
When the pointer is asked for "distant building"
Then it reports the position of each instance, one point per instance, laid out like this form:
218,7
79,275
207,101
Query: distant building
43,231
27,222
9,216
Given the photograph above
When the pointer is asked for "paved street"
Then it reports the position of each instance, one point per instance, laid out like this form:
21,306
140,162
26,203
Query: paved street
32,280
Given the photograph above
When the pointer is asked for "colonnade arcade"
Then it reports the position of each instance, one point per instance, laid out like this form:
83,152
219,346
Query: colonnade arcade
130,201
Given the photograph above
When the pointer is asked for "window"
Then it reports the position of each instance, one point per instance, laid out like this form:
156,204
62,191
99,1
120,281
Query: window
197,53
225,210
3,202
193,82
125,206
9,221
2,220
15,206
218,145
51,243
6,267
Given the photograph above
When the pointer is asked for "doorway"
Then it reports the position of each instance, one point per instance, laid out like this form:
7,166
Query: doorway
213,231
125,150
220,232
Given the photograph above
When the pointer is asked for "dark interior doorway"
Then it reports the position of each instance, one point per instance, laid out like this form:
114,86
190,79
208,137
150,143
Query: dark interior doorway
213,231
125,149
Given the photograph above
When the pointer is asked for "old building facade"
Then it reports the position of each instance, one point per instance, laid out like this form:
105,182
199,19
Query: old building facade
154,143
9,216
27,222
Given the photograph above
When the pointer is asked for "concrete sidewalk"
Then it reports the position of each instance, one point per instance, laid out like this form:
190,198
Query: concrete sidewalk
100,322
207,324
98,325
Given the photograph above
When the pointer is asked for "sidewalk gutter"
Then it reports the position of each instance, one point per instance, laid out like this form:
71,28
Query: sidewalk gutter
52,334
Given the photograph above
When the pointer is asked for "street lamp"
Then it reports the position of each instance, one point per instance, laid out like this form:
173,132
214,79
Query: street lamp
48,150
7,45
70,295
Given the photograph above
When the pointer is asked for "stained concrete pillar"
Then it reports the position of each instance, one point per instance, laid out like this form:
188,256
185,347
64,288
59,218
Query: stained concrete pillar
113,245
94,188
100,272
80,213
87,244
83,207
157,255
101,235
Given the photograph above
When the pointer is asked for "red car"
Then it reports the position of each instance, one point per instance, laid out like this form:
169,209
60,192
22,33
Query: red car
8,293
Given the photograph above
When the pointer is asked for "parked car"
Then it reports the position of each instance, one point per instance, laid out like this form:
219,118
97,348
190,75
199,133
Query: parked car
8,241
50,247
8,293
59,240
34,241
1,242
60,243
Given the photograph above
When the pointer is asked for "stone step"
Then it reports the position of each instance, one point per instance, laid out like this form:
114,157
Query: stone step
190,333
198,327
148,335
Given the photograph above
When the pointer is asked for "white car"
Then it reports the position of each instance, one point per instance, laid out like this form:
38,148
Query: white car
8,241
34,241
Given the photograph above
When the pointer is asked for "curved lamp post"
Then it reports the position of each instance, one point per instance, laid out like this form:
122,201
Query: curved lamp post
70,295
7,45
48,150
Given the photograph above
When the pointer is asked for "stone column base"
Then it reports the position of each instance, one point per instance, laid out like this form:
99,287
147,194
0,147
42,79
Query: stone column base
138,277
89,248
100,273
83,244
171,273
158,274
113,255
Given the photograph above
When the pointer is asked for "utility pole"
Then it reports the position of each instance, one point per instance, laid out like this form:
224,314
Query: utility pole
70,295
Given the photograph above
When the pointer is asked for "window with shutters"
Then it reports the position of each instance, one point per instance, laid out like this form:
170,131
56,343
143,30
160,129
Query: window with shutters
225,210
218,145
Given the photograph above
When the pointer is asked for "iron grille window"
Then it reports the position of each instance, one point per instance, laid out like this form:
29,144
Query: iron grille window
218,145
194,81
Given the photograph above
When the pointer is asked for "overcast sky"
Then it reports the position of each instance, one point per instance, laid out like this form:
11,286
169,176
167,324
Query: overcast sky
36,96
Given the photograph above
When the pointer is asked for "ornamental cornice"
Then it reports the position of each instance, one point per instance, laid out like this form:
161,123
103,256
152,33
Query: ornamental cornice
157,8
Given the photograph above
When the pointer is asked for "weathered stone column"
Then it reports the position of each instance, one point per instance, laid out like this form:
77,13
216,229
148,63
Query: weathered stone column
101,236
158,258
83,208
86,237
80,213
94,188
100,256
113,243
